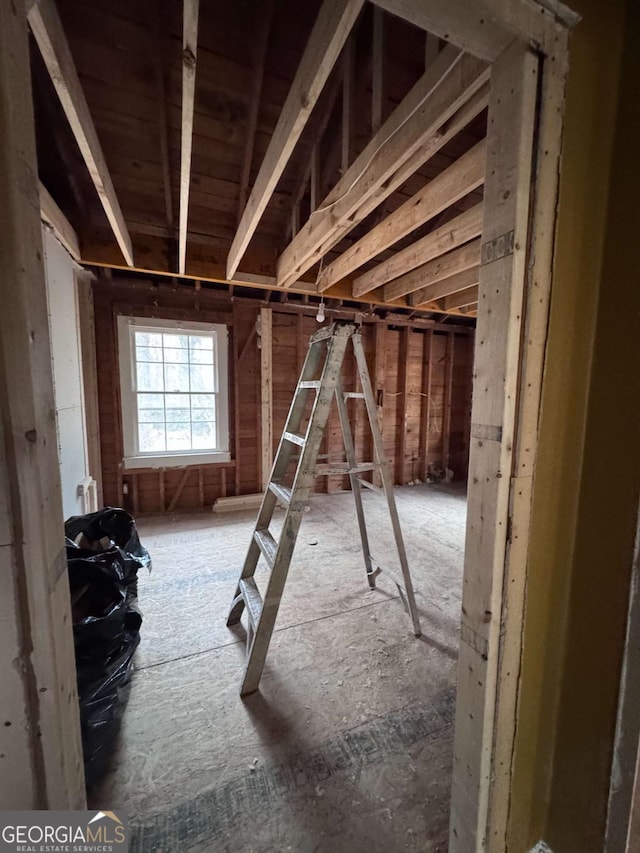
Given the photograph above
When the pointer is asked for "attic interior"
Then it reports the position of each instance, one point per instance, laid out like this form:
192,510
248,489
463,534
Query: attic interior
221,185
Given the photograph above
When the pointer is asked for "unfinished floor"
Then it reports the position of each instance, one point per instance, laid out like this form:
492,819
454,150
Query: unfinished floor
348,744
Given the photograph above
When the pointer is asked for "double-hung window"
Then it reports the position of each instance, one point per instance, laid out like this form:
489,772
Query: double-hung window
173,378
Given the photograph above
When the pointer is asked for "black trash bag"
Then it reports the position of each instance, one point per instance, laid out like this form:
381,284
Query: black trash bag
104,555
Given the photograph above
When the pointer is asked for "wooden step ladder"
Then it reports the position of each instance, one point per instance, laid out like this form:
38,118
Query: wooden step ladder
323,380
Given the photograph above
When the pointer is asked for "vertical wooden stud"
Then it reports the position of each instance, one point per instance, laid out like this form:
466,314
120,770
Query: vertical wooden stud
401,435
425,406
379,366
266,393
39,730
448,398
511,123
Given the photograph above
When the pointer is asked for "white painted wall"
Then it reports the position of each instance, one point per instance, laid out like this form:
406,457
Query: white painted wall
64,329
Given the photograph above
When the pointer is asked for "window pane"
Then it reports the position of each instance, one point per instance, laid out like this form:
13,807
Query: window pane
202,415
151,438
178,415
204,435
201,356
201,342
176,341
176,377
173,355
202,377
148,353
178,408
149,416
178,436
148,339
150,377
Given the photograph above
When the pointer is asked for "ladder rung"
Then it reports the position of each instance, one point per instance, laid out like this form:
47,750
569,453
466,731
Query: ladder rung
309,383
252,599
300,440
343,468
353,395
283,493
267,545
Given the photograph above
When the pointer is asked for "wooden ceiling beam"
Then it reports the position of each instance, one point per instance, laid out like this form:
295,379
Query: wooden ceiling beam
462,177
47,30
456,273
462,299
422,123
479,25
254,104
459,230
190,10
333,25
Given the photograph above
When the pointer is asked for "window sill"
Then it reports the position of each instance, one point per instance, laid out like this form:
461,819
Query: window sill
178,460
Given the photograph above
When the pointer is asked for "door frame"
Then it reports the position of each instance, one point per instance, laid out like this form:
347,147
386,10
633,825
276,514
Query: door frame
527,43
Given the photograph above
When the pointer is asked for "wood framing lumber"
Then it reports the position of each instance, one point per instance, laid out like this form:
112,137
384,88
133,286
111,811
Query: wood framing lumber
462,177
47,30
254,104
266,393
462,299
189,58
237,503
157,40
348,107
420,120
457,231
62,228
493,479
447,274
485,28
41,749
332,27
377,68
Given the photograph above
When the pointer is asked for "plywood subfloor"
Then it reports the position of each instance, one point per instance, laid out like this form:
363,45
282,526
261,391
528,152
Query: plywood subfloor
348,745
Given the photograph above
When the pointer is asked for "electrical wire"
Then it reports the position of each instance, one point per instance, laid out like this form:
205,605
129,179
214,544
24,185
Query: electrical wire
325,207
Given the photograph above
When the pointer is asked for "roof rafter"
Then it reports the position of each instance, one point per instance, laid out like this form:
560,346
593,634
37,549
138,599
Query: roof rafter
462,177
447,274
254,104
189,59
334,23
48,32
448,95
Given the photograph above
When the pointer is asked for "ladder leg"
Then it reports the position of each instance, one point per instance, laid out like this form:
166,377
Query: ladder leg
355,483
387,482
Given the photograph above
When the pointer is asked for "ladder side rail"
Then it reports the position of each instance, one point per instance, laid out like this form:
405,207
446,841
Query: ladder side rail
301,488
387,482
354,479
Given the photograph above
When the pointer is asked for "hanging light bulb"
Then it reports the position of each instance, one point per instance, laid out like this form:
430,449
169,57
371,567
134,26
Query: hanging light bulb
320,314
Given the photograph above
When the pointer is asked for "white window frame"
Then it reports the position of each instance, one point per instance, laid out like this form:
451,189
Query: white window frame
133,457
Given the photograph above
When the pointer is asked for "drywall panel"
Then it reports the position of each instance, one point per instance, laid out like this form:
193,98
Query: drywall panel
67,371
